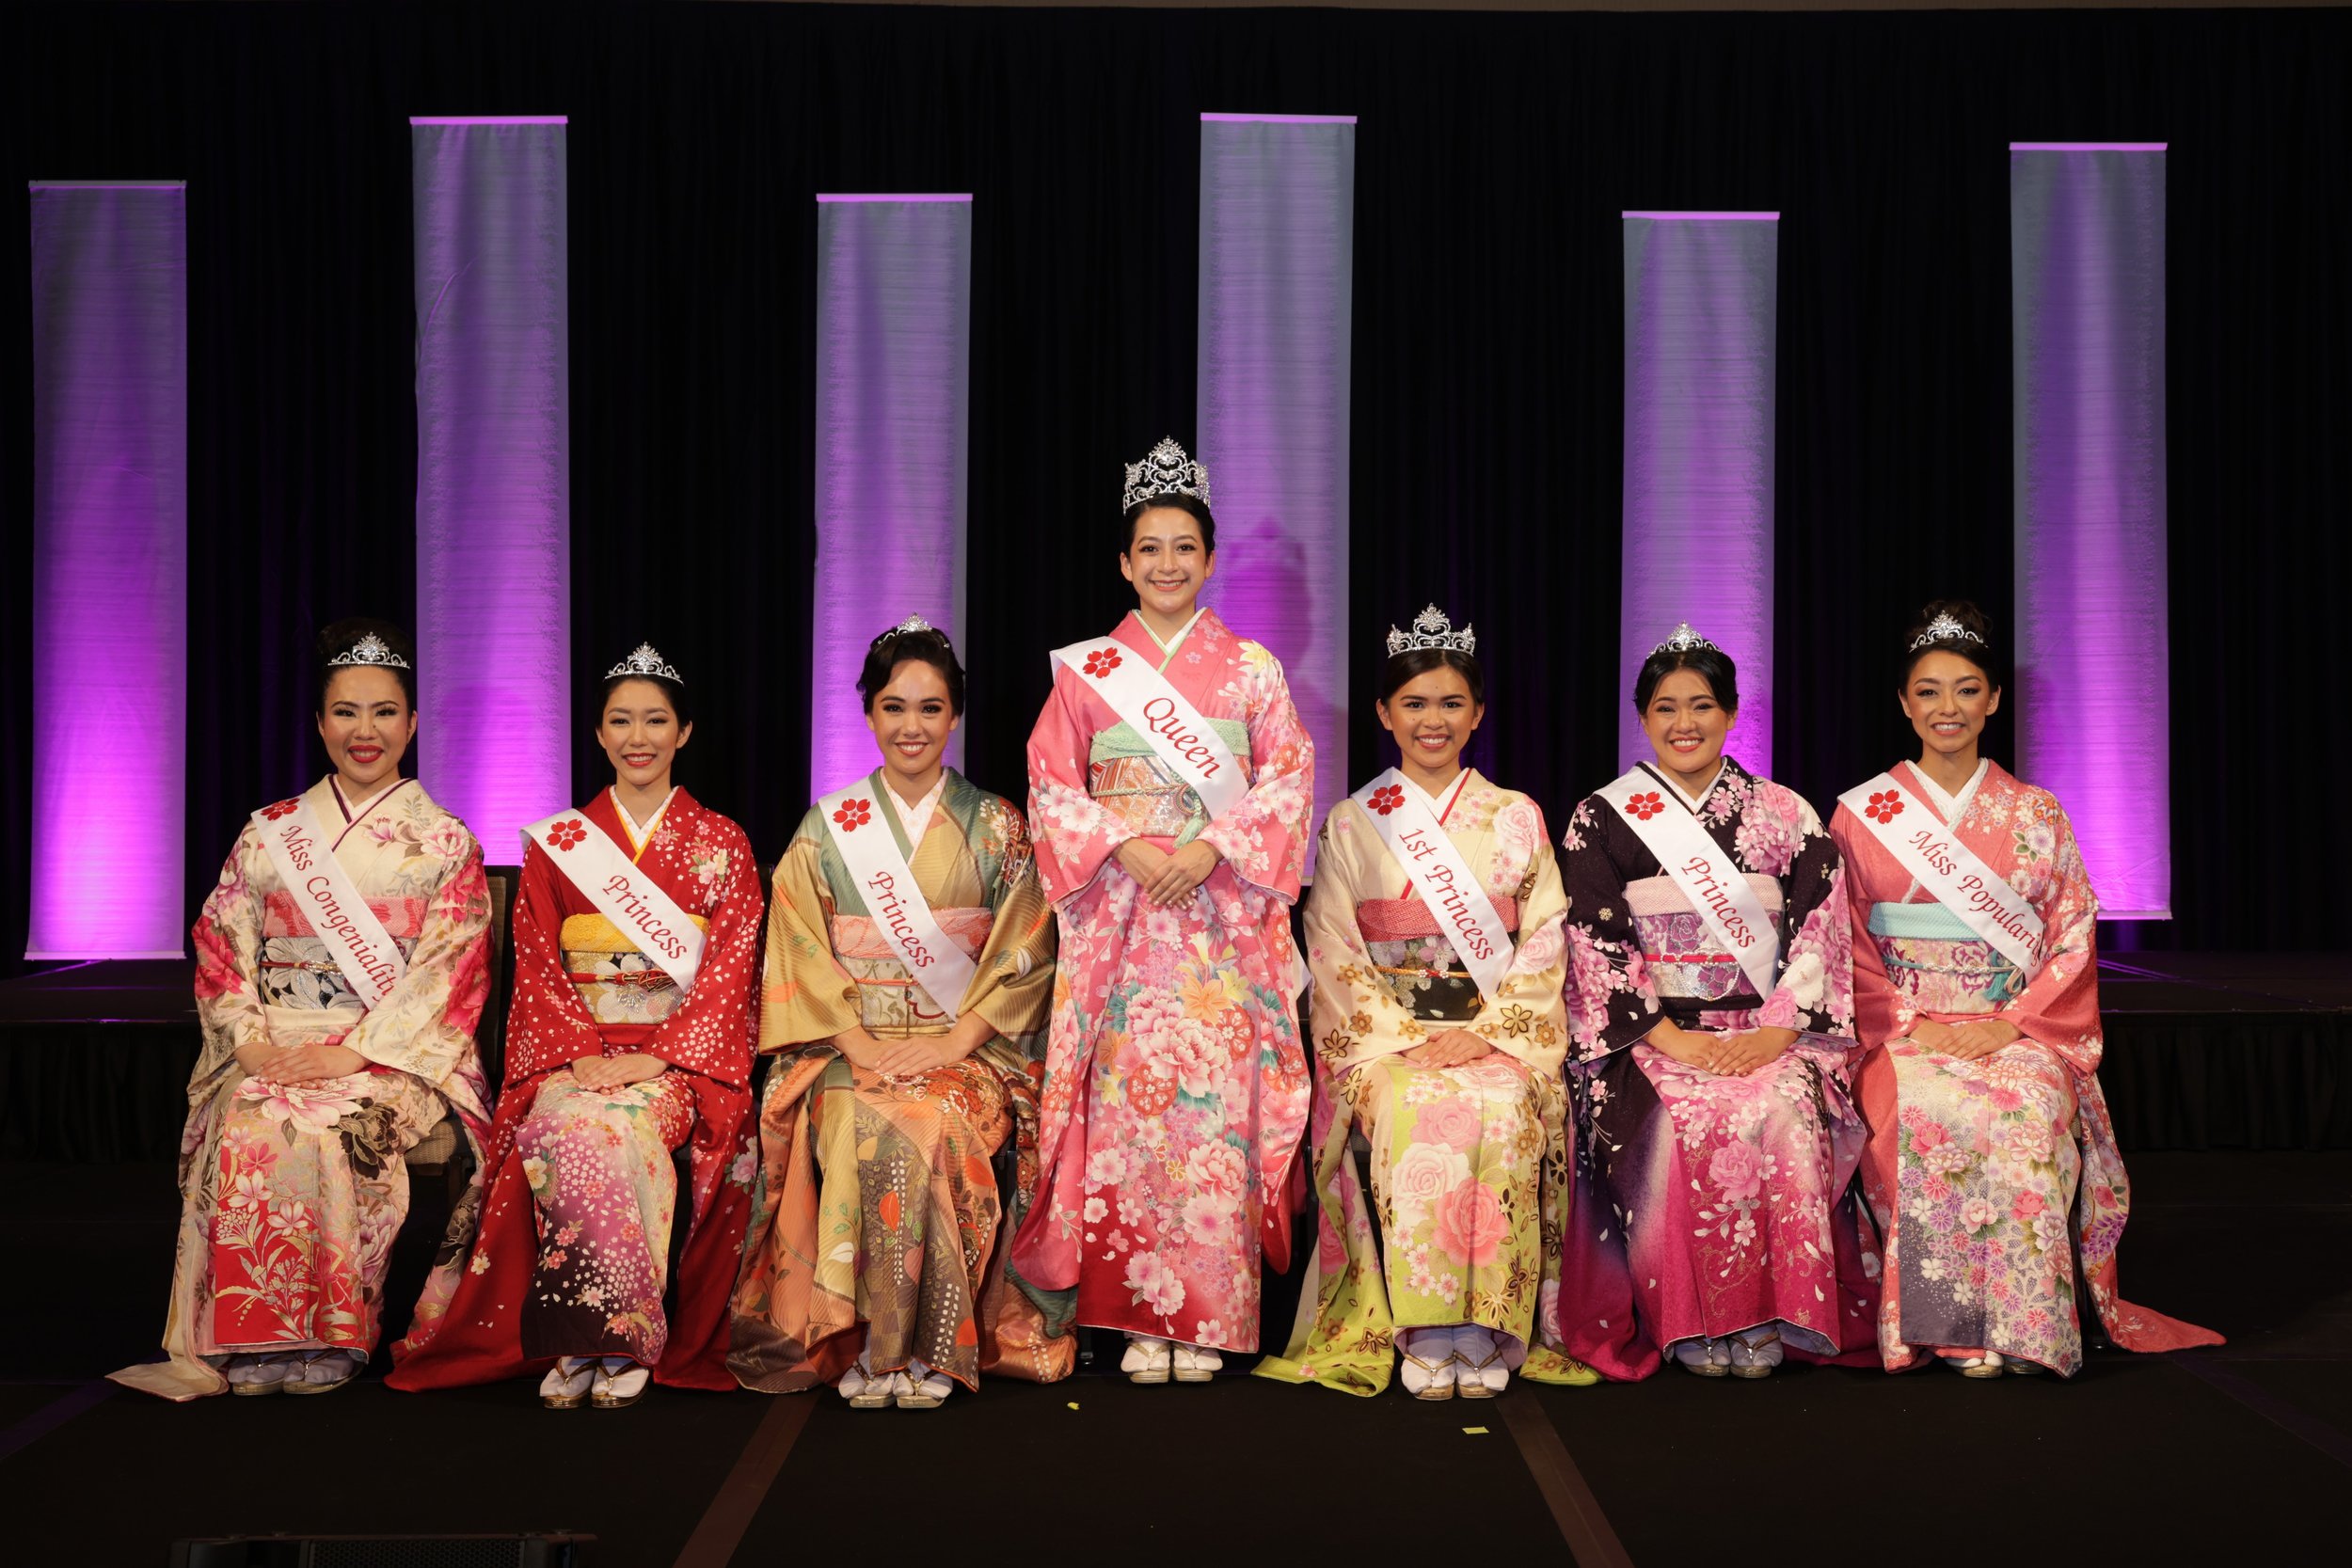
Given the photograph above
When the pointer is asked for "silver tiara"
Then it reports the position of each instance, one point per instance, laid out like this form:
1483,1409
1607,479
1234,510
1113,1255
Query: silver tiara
646,662
1167,472
1684,640
1432,629
369,650
913,623
1944,628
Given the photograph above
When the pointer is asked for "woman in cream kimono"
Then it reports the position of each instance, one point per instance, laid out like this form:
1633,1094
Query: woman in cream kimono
907,1028
627,1040
335,1038
1452,1076
1992,1165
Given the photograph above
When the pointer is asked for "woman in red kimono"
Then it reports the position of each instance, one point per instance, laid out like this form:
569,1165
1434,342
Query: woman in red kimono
629,1038
1170,787
1990,1164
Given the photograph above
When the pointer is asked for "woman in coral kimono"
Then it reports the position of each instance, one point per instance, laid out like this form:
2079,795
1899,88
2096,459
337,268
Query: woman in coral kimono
1171,786
910,966
1991,1163
1434,936
1710,1007
636,931
341,966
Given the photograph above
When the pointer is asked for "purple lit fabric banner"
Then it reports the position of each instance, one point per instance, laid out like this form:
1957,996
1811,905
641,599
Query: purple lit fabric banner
2087,290
108,684
893,354
1278,248
1701,322
494,497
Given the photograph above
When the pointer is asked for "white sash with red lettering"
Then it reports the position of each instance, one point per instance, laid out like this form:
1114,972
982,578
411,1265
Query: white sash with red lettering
1171,726
1949,869
893,901
362,948
1708,876
1442,877
622,893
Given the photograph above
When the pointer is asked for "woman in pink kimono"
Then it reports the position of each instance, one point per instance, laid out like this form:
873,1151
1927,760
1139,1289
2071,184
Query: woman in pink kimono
341,967
1991,1163
1170,784
1710,1020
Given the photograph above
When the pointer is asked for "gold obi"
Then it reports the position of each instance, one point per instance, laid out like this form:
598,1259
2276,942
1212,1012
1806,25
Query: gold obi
1127,777
617,981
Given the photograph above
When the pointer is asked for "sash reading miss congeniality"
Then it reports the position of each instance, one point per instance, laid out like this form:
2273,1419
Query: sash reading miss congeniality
622,893
897,905
362,948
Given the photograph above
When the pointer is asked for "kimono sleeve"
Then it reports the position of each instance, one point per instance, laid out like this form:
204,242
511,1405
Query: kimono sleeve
709,1030
1263,836
1073,835
548,1026
1527,1017
1610,1002
2059,1008
806,997
1354,1018
227,942
1816,991
1014,987
425,1026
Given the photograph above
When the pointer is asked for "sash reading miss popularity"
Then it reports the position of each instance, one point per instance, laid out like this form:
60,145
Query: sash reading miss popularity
1931,852
622,893
897,905
362,948
1157,711
1717,888
1442,877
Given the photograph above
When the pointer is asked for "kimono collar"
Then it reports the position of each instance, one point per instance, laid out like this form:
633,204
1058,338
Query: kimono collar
360,812
1954,807
1443,800
913,819
639,835
1723,765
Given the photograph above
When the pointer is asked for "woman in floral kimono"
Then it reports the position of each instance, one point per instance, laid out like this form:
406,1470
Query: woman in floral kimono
1434,935
1711,1008
635,935
1171,786
341,966
1992,1161
910,966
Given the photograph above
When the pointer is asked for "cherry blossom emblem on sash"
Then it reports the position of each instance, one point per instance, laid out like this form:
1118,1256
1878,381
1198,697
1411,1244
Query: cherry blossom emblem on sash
852,814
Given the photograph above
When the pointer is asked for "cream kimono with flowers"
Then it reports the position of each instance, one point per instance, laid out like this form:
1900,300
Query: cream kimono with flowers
1470,1164
291,1195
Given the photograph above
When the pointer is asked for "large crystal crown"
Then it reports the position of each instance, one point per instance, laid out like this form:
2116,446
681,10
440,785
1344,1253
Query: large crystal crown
1432,629
1167,472
1944,628
1684,640
369,650
646,662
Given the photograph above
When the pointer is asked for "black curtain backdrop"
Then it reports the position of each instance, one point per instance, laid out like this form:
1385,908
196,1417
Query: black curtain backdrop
1495,154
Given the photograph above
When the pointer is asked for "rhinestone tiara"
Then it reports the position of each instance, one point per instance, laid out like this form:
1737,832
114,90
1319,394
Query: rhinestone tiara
1168,471
913,623
368,650
646,662
1944,628
1432,629
1684,640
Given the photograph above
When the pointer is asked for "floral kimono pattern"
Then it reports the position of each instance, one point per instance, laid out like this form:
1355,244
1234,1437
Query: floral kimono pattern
1990,1176
877,1215
291,1193
1710,1205
1177,1089
573,1250
1470,1164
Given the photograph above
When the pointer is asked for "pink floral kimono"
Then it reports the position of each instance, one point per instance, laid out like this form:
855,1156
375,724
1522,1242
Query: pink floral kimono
291,1195
1176,1087
1989,1176
1707,1205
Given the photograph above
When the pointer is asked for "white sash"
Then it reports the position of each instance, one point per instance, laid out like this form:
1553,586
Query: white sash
1155,710
1442,877
362,949
895,903
1939,862
1713,883
622,893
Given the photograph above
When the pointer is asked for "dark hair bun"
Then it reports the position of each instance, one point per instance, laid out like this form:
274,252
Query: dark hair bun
894,647
1952,626
1710,663
337,638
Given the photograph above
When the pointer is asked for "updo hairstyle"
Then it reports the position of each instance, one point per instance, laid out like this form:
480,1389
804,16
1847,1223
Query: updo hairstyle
1193,504
1409,664
341,637
1971,619
894,647
1713,666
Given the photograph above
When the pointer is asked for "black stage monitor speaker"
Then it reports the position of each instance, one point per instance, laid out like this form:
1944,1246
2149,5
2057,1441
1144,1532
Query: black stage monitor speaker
538,1550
